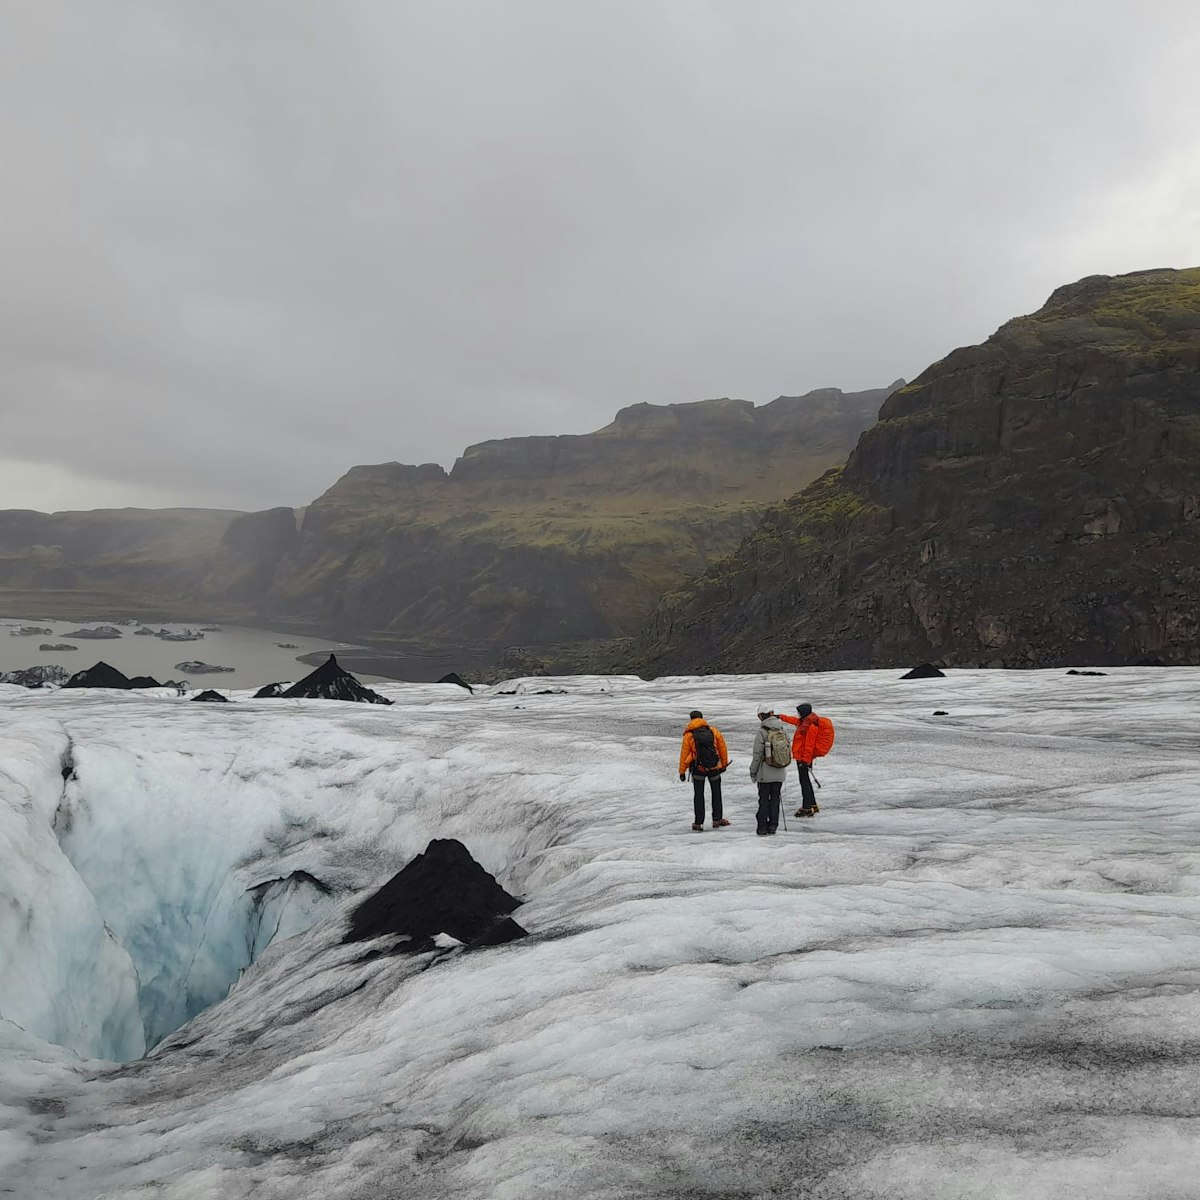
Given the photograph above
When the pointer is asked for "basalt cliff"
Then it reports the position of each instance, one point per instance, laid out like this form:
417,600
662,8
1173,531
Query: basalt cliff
110,562
530,540
1031,501
555,539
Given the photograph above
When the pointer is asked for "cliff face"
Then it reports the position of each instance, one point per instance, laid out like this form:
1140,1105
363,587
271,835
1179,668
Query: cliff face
108,559
1034,500
249,554
552,539
527,540
702,452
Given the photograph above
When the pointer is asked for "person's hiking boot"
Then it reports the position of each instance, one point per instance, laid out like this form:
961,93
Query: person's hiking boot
816,807
720,824
762,832
698,828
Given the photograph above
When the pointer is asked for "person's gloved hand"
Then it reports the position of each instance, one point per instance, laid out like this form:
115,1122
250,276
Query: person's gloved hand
751,772
807,765
682,777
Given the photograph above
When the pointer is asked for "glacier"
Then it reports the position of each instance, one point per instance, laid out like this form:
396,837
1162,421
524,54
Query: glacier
975,973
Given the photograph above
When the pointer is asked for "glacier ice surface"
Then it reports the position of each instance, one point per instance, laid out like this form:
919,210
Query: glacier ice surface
975,973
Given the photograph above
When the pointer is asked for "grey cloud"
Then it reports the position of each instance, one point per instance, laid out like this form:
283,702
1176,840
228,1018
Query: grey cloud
247,246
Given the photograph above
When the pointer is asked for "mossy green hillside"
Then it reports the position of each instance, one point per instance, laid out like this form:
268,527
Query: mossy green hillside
1032,500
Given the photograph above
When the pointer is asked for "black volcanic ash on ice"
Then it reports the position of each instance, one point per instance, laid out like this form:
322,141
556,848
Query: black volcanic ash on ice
443,890
100,676
925,671
331,682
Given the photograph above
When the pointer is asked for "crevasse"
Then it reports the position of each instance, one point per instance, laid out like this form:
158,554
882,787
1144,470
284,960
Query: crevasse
159,864
188,900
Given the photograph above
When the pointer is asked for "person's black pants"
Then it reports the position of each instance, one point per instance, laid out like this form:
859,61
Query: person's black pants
768,806
714,783
806,787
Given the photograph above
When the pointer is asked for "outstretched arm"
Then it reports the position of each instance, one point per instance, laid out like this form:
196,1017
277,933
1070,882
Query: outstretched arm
809,744
788,720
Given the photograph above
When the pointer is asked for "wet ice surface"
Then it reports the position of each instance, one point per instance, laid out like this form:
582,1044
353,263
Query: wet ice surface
974,974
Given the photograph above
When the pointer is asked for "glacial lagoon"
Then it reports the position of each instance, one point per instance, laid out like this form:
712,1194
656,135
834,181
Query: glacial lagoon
255,655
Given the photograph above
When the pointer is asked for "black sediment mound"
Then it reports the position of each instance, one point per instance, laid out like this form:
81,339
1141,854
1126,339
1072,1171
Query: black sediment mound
455,677
99,676
1073,671
331,682
270,691
443,890
925,671
141,681
212,697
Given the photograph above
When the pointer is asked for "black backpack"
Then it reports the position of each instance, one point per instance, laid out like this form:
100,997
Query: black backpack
707,760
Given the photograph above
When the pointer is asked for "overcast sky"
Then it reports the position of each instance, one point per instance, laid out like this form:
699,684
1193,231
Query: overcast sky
249,244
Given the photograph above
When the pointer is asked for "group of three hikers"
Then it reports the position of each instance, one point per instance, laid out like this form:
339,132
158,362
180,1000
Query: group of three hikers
705,756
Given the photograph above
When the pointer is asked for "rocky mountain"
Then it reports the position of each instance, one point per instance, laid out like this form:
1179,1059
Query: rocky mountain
555,539
526,540
107,561
1034,500
249,553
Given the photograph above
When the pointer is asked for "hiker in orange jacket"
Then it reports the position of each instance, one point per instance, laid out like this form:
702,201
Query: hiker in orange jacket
703,753
804,741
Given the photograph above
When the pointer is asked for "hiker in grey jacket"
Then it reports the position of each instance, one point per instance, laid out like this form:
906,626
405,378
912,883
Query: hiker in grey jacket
769,778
